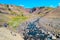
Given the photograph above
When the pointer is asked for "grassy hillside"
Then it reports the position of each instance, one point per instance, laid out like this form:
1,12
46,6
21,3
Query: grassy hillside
15,15
14,22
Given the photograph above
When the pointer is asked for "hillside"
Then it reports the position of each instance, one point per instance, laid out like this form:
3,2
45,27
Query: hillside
14,15
6,34
52,20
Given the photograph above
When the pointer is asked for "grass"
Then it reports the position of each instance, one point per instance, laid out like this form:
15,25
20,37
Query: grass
16,21
41,15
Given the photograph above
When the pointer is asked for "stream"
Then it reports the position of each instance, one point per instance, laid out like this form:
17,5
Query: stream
30,30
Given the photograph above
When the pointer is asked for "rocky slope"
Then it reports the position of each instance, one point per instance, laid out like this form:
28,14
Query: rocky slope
52,20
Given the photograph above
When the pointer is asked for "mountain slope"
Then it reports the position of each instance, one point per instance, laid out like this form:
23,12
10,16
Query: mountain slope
14,15
52,20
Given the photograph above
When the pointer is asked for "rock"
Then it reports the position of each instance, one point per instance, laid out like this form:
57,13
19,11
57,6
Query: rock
53,37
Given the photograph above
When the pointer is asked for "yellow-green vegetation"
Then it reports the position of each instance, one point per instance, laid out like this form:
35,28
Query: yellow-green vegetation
41,15
16,21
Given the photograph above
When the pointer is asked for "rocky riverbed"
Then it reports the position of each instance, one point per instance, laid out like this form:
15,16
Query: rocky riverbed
32,30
